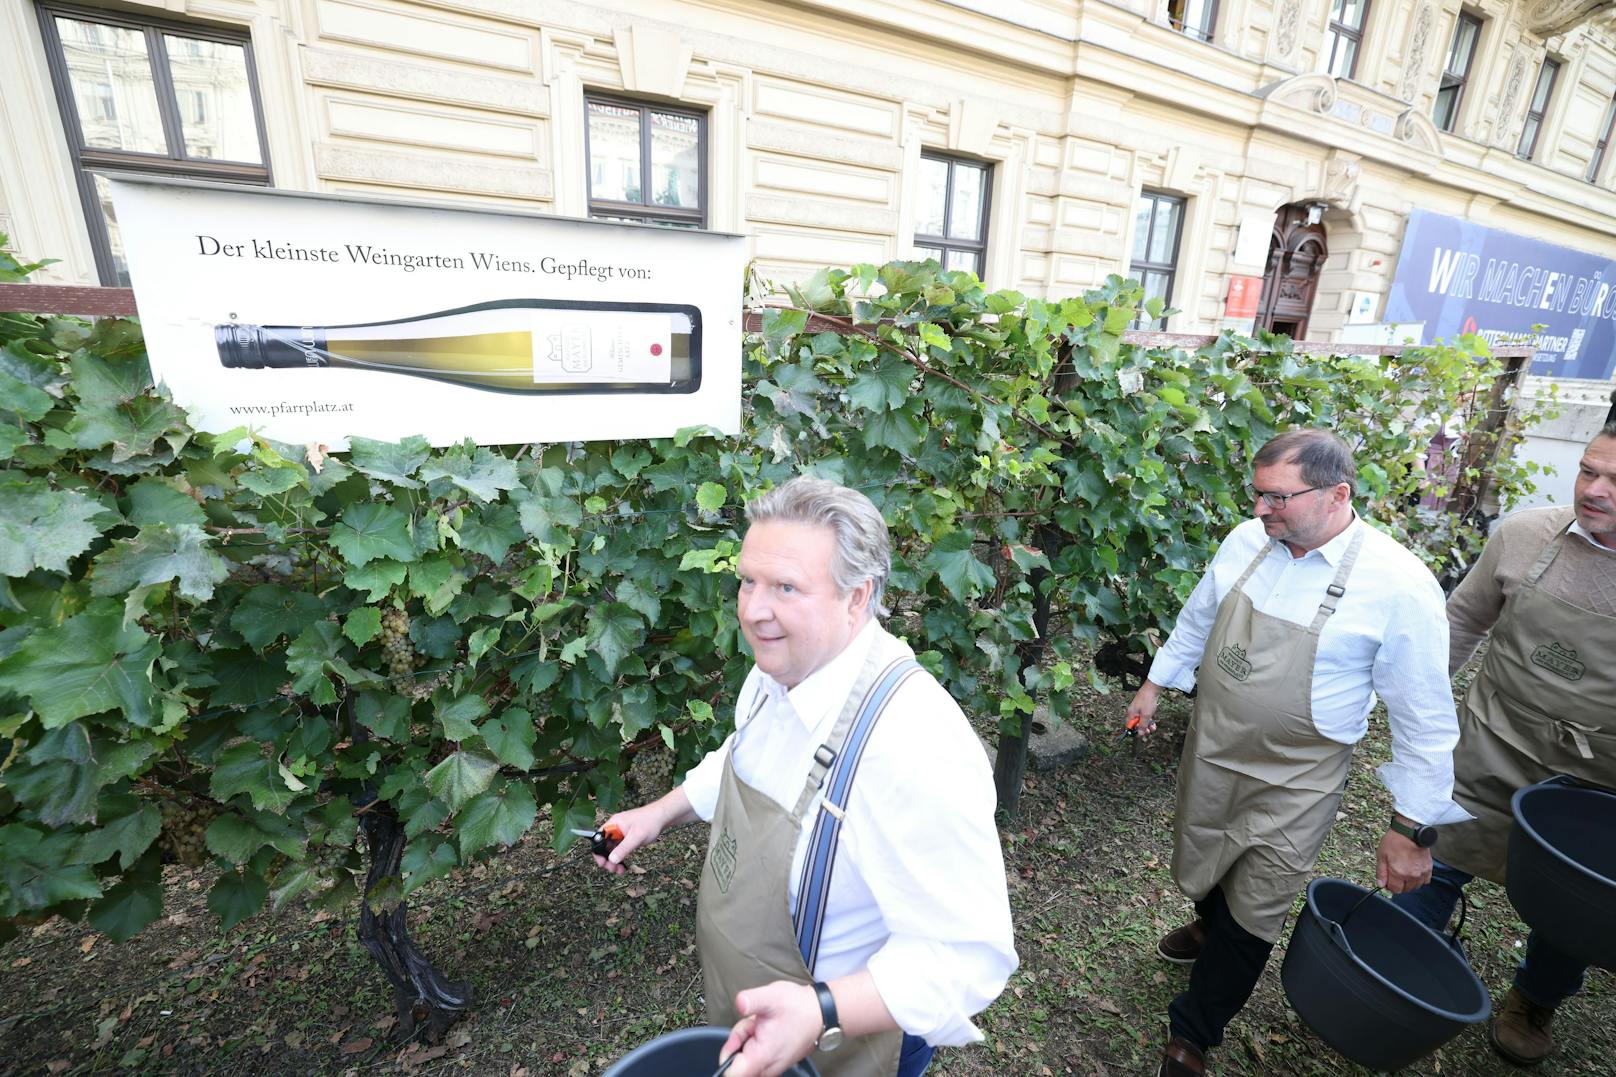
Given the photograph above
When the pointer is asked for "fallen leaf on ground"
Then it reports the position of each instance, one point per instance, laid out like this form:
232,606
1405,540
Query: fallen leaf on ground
353,1047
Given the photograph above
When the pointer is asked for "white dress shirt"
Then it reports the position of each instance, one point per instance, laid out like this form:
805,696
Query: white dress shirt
1389,634
918,895
1588,536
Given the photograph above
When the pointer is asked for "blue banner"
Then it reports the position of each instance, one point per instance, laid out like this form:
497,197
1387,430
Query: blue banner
1458,277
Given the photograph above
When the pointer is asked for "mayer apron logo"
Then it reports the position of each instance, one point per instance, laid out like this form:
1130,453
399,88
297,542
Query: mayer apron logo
1560,661
724,860
1232,660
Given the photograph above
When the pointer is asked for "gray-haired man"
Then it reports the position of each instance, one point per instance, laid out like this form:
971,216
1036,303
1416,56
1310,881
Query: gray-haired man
846,755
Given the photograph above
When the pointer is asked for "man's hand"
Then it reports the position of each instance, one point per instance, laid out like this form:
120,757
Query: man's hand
643,825
780,1023
1143,708
1400,865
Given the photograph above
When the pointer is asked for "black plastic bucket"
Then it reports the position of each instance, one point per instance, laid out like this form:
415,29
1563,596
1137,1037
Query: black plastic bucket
1562,867
1376,984
690,1052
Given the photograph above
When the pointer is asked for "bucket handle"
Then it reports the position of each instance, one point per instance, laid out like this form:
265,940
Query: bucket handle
1576,783
1339,934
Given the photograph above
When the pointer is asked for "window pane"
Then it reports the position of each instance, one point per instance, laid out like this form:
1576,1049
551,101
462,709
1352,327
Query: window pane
1545,83
113,90
675,160
1141,226
216,108
120,267
933,197
964,260
1446,99
1464,45
614,152
1350,13
1164,237
1198,18
966,221
934,253
1346,54
1528,137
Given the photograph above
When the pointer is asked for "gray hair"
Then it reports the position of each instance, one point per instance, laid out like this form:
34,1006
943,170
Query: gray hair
1606,431
1324,458
863,550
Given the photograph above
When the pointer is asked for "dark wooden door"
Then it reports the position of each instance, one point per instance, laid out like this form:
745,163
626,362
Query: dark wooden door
1296,254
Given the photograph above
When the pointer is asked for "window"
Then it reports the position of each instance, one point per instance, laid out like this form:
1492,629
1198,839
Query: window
1466,32
1597,161
1196,18
646,163
1538,108
1345,36
1158,222
952,225
142,95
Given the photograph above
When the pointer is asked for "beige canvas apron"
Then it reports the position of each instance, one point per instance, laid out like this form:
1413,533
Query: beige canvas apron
1258,784
1544,703
743,921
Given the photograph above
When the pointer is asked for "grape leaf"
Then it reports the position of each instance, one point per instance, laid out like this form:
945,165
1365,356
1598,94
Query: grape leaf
89,664
482,473
461,776
394,462
362,625
614,632
711,496
158,501
369,531
126,836
236,896
157,554
510,737
500,817
237,837
128,907
45,528
270,611
960,570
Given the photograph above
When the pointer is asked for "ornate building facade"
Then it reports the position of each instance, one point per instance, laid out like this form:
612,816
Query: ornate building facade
1255,162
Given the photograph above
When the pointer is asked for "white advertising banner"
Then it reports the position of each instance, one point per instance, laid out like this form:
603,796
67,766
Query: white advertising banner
316,318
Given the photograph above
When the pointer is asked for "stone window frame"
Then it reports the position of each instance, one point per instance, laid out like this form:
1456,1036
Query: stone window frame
945,243
1596,162
1169,269
89,160
1532,129
645,211
1337,32
1458,81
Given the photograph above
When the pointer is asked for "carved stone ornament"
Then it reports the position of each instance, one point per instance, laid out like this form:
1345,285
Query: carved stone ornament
1415,128
1545,18
1290,19
1313,93
1419,38
1512,91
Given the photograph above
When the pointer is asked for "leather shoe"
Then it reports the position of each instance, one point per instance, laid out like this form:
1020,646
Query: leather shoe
1183,945
1182,1059
1521,1031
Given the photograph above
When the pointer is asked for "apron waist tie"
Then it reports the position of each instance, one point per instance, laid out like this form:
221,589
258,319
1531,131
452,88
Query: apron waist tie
1577,735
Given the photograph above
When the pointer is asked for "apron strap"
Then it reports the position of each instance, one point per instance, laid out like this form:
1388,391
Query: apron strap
1338,586
1577,734
1546,558
814,886
825,755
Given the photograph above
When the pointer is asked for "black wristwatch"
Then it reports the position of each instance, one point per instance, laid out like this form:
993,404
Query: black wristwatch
831,1037
1423,835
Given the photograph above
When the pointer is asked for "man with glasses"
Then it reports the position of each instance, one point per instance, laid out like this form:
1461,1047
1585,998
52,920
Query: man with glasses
1304,615
1543,703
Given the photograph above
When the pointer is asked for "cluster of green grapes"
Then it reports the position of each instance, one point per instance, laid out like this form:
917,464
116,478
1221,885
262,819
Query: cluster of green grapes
651,773
398,651
185,828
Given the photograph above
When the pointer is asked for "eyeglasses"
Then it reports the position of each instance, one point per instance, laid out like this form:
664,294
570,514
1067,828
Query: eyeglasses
1277,501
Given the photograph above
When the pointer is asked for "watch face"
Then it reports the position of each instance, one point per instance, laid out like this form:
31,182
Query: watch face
1425,837
830,1039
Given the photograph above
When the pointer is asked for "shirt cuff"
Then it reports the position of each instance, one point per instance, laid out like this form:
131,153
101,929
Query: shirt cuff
1171,673
932,990
1416,800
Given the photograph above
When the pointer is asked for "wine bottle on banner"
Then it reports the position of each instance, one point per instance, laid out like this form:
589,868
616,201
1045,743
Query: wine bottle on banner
512,346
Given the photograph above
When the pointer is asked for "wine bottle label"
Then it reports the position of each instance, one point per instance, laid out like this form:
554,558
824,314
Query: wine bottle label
596,345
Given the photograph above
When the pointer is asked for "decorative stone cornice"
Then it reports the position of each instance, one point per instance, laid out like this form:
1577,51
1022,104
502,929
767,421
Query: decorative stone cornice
1311,93
1545,18
1415,128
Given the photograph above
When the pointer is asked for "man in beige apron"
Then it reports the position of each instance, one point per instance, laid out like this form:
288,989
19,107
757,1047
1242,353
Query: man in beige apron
1304,615
853,904
1544,703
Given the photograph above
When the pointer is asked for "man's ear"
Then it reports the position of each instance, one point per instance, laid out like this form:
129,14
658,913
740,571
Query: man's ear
858,599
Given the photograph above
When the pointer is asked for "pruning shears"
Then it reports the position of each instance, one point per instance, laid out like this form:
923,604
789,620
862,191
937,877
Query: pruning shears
602,841
1132,729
